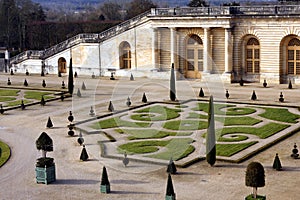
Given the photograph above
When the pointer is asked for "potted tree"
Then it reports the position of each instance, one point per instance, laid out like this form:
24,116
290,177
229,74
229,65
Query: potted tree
255,177
170,194
104,185
45,166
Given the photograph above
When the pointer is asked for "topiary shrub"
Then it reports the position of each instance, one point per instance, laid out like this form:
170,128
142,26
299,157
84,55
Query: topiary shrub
253,96
70,117
125,160
128,102
27,73
290,86
281,99
70,79
265,83
111,107
131,77
255,176
83,87
211,135
75,75
241,82
49,123
144,99
78,92
170,194
172,84
11,72
84,155
44,83
25,83
112,76
104,185
63,85
44,143
43,102
8,81
22,105
201,93
227,94
295,154
277,163
1,109
171,167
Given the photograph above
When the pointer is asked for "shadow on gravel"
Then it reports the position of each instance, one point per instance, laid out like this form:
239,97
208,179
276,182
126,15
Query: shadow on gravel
75,182
132,192
129,182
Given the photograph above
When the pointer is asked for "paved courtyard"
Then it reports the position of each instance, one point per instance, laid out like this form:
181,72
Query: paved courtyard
139,180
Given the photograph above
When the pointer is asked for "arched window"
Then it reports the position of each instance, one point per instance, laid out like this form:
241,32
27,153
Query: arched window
293,62
252,56
125,56
62,65
194,53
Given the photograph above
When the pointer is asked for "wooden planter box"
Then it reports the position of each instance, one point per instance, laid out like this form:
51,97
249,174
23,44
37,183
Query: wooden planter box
170,197
105,188
258,197
45,174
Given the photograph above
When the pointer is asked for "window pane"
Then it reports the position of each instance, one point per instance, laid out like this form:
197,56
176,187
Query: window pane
256,53
190,54
249,66
200,66
297,55
200,54
290,68
191,66
290,55
298,68
256,66
249,54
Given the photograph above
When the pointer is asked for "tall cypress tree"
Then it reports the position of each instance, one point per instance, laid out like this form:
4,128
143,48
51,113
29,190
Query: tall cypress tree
172,84
70,79
210,136
170,188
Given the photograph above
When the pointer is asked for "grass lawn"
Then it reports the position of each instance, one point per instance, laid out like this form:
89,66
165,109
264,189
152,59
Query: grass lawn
280,114
5,153
175,148
4,92
150,133
37,95
230,109
231,149
185,125
4,99
165,113
117,122
17,103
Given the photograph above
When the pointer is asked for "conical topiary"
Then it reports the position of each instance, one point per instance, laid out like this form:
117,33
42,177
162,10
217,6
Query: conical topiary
277,163
171,167
265,83
62,97
131,77
75,75
104,185
11,72
70,79
125,160
27,73
44,83
227,94
210,135
1,109
83,87
44,143
144,99
78,92
111,107
43,102
8,81
25,83
253,97
22,105
201,93
84,155
170,194
281,99
172,84
49,123
290,84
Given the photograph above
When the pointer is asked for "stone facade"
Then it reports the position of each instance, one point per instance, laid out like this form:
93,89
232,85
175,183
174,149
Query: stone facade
253,43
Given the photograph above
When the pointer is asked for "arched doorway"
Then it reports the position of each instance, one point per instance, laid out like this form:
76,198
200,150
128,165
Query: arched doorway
125,55
194,56
290,58
62,65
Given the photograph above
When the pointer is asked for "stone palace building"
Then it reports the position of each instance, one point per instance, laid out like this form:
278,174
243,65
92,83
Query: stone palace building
253,43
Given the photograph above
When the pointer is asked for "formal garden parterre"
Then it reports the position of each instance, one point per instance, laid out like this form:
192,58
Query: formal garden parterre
161,131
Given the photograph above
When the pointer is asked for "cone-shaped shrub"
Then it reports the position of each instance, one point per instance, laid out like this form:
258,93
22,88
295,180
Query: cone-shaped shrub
25,83
78,93
43,102
84,155
201,93
11,72
70,79
171,167
128,102
144,99
265,83
253,96
104,185
110,107
125,160
22,105
227,94
44,143
75,75
170,194
172,84
49,123
277,163
210,136
290,84
131,77
8,82
44,83
1,109
83,87
255,176
62,97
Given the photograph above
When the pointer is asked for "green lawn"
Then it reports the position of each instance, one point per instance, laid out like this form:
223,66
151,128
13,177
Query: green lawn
164,113
4,92
17,103
5,153
225,109
150,133
185,125
117,122
280,114
231,149
37,95
4,99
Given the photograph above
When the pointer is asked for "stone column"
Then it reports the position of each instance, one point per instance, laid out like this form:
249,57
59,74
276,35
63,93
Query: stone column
206,51
173,45
155,48
228,51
